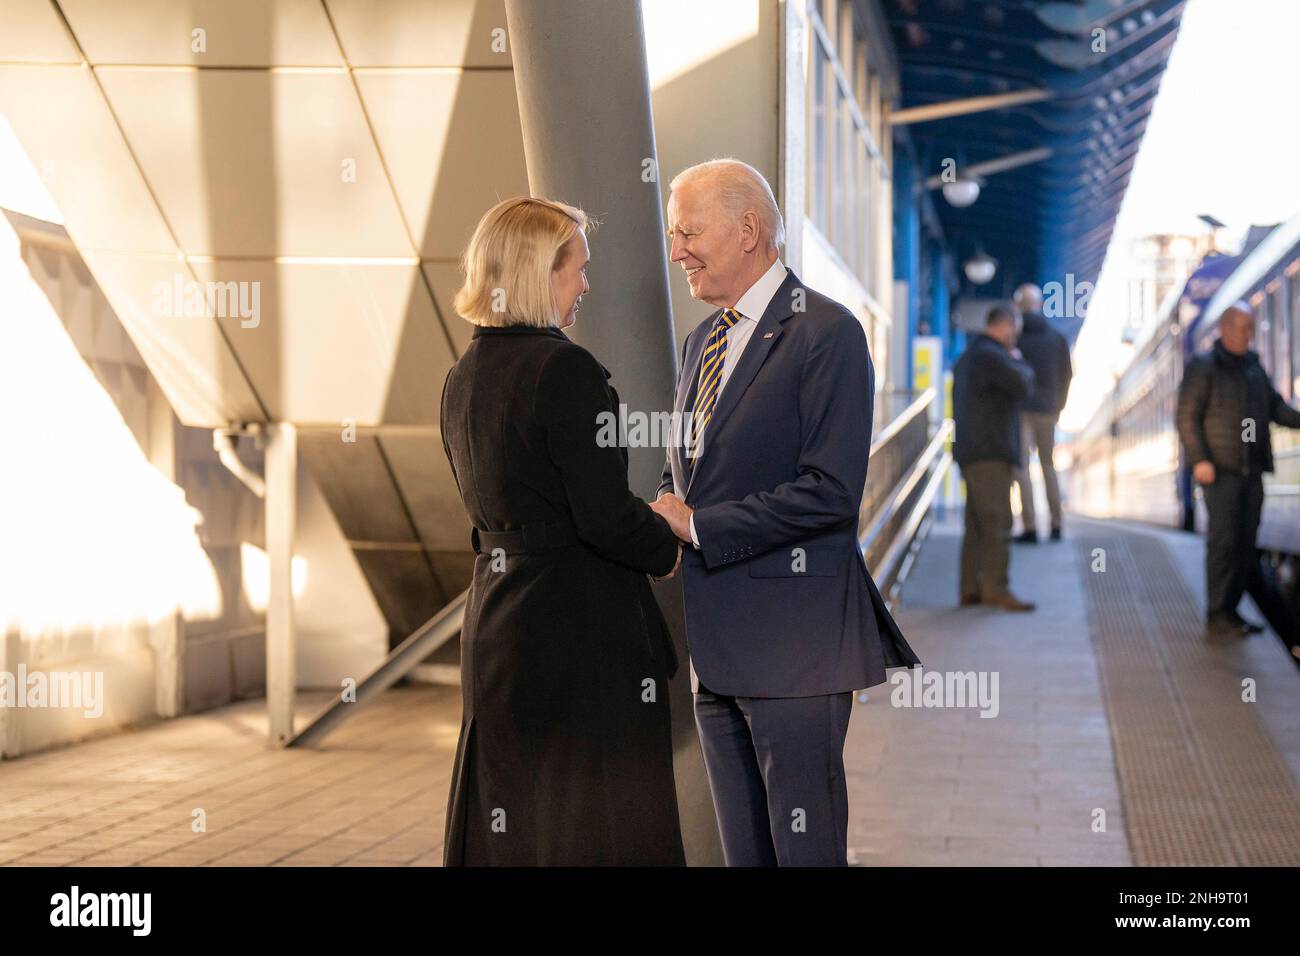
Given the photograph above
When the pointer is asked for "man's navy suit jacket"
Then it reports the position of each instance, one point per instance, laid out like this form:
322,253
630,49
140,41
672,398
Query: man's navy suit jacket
778,600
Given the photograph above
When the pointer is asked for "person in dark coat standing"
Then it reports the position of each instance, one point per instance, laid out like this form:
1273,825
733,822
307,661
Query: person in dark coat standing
1225,405
1047,352
565,754
989,381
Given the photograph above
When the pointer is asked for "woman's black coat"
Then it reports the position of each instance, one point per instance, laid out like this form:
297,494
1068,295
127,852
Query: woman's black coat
565,753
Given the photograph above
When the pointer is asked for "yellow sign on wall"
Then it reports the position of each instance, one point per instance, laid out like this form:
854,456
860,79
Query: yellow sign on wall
927,362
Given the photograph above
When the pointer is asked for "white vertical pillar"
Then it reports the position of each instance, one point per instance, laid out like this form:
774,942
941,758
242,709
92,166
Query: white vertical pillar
10,647
167,636
281,504
793,131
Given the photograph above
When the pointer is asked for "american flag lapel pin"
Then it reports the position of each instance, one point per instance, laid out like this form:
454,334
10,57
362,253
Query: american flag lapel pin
768,335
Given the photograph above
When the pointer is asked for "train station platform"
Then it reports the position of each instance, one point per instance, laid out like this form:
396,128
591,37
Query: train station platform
374,794
1110,699
1117,735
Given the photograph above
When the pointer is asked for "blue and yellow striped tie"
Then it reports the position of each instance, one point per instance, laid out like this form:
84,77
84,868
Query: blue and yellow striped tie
711,365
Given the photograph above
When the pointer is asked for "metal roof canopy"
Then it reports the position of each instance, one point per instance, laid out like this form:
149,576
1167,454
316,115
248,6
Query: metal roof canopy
1045,219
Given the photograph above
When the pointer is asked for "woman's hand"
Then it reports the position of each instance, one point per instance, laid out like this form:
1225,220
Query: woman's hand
677,565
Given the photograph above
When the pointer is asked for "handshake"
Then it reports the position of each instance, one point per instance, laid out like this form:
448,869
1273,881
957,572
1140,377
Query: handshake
678,515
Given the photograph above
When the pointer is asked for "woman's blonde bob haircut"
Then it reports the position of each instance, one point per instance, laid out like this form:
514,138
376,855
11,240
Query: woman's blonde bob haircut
508,264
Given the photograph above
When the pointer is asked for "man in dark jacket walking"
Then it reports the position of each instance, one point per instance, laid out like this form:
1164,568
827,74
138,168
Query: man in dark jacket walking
1225,405
989,381
1048,354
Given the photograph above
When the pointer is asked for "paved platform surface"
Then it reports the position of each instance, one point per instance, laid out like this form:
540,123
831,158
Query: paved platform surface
373,794
945,786
927,785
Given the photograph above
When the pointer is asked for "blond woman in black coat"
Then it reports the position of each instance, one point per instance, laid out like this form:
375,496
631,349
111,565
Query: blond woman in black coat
565,753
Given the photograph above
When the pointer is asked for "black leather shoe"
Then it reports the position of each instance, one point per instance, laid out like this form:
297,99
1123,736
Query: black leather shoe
1249,627
1222,625
1026,537
1056,534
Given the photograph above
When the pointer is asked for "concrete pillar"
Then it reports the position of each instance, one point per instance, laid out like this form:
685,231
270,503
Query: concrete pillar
11,646
166,636
281,509
584,106
793,133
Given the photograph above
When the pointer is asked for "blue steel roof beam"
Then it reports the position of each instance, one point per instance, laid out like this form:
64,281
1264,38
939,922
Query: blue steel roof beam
1072,248
1107,148
1088,124
1082,173
1076,121
1063,122
949,108
1073,219
973,153
1060,262
999,244
1109,159
1007,234
1075,222
972,140
1098,184
1104,179
1079,241
1091,171
1079,54
1094,190
954,28
1154,56
915,56
1144,80
998,164
964,79
998,73
1064,82
1084,17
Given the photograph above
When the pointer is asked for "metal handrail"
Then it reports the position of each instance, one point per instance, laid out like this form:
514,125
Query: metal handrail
903,540
905,487
901,420
435,632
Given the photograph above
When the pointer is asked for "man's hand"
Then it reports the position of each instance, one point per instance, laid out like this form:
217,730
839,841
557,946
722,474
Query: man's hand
1203,471
677,513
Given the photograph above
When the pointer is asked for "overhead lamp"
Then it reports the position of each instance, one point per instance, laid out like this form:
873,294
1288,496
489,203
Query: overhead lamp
980,268
961,192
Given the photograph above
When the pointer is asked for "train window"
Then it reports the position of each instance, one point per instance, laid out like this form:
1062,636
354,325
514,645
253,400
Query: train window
1263,331
1294,282
1282,327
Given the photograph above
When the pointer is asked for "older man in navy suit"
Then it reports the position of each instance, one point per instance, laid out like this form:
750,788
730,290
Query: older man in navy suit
783,621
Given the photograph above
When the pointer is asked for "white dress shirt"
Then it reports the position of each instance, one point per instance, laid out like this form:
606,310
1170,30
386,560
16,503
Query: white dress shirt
751,307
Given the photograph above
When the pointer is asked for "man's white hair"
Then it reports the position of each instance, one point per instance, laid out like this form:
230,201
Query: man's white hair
740,188
1027,292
